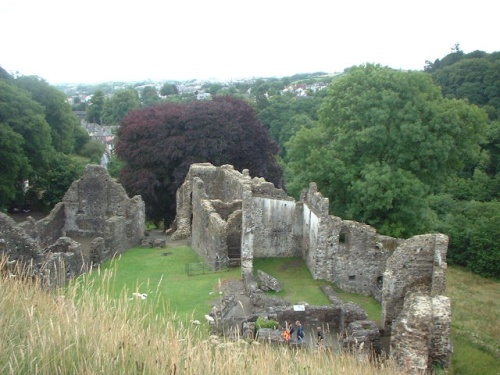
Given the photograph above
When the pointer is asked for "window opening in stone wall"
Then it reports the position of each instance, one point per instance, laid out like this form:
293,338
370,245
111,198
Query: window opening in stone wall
380,282
352,277
342,237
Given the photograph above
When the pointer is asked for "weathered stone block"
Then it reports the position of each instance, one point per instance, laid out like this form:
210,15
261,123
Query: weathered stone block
267,282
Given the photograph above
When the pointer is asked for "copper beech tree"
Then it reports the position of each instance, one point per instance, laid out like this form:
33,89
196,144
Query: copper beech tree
158,144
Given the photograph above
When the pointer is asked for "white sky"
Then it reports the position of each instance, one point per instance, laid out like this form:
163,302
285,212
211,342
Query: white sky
89,41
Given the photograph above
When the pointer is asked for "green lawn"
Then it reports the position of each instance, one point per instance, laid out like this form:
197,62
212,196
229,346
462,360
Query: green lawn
299,286
160,273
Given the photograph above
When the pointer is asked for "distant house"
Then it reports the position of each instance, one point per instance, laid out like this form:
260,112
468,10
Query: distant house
203,96
103,134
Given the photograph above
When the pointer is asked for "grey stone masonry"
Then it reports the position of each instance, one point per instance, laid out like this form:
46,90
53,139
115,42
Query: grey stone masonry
95,220
420,334
267,282
227,213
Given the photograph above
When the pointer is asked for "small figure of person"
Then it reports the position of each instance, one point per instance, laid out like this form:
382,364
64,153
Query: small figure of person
287,333
300,332
321,337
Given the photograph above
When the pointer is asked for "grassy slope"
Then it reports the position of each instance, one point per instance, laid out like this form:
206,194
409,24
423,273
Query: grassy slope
84,329
475,323
475,300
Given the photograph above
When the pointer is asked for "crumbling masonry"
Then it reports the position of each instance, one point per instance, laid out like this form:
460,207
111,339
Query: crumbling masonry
95,220
229,216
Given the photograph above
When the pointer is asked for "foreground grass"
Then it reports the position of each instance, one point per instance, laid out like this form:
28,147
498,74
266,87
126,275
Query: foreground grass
96,328
84,329
475,323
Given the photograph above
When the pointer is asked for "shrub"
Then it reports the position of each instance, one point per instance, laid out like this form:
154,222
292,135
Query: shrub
264,322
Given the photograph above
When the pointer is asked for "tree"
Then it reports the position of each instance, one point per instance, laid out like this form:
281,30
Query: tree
56,109
169,89
385,140
93,150
49,188
286,114
25,141
158,145
119,105
149,96
13,162
473,230
474,78
81,138
95,108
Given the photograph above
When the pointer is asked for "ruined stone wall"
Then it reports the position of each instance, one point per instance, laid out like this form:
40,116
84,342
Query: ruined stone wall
234,236
348,253
93,207
97,206
221,183
359,257
411,268
268,215
420,334
209,229
314,223
63,260
15,243
47,230
247,239
53,264
273,221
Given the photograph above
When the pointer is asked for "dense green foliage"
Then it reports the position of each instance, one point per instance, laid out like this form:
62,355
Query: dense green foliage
116,107
56,110
385,140
468,205
149,96
474,76
95,108
284,115
169,89
38,132
158,145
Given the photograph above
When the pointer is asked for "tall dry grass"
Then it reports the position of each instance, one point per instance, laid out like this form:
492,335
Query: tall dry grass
80,330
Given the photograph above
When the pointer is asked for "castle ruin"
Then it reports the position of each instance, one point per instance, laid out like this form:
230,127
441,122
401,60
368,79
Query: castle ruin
94,221
230,217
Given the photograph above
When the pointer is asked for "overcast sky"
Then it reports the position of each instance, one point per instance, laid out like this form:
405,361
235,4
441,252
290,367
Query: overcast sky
90,41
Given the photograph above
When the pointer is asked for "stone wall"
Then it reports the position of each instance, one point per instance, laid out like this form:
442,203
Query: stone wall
47,230
273,225
350,254
412,268
15,243
97,206
95,209
216,225
420,334
220,183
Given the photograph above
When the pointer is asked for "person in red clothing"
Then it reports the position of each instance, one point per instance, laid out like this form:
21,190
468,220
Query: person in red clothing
287,333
